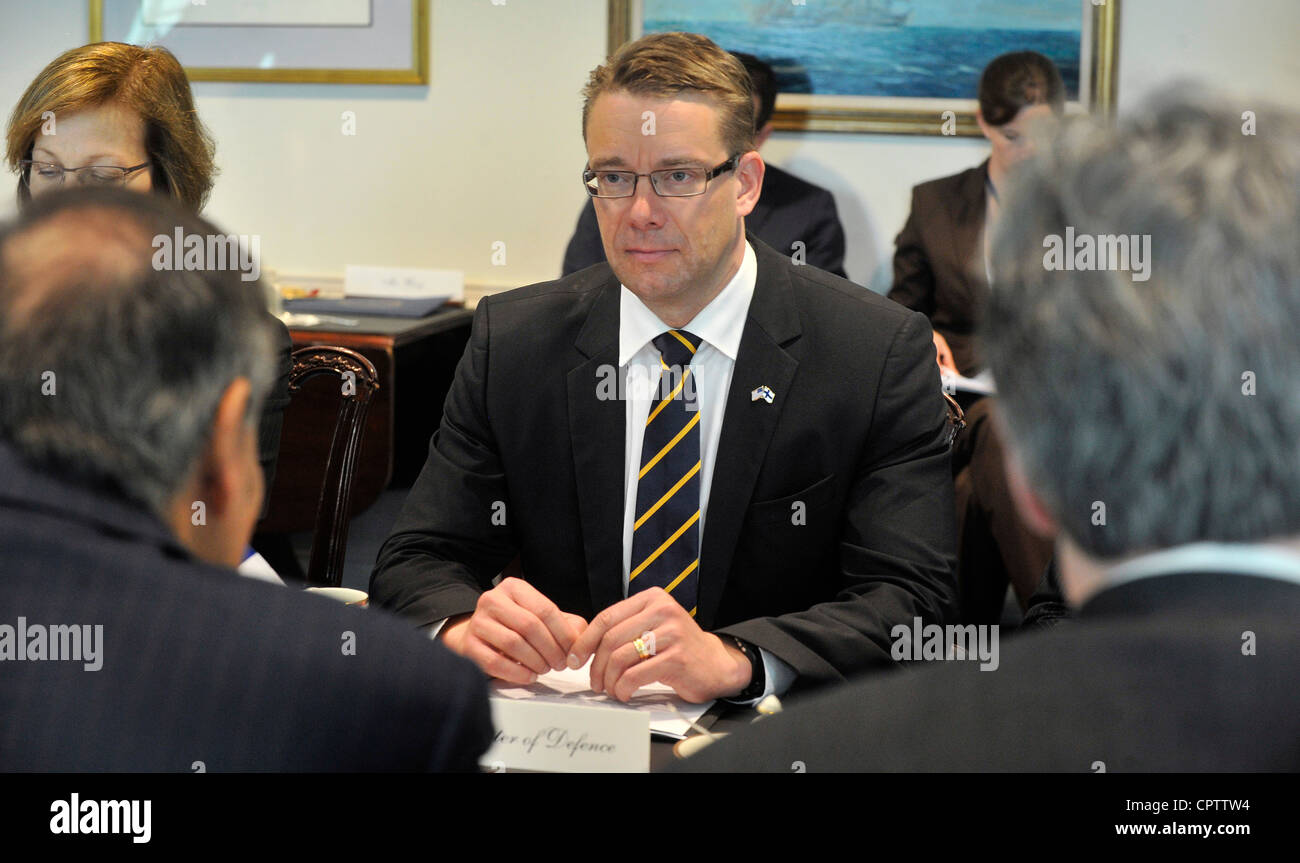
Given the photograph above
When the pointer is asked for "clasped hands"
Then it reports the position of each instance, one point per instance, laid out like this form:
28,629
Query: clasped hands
516,633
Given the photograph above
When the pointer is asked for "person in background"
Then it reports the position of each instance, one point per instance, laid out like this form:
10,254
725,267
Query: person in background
112,114
1118,400
941,268
789,210
130,490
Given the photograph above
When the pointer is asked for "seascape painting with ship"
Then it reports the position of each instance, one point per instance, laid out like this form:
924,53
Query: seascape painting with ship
911,49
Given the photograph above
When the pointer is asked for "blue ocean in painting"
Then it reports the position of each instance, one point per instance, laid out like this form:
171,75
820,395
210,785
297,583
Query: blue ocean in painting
896,54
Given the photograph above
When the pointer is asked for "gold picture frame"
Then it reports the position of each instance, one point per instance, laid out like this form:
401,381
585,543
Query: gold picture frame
417,72
797,112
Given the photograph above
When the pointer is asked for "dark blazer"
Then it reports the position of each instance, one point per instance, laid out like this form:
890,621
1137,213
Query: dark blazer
1152,677
199,664
277,402
529,459
788,210
938,262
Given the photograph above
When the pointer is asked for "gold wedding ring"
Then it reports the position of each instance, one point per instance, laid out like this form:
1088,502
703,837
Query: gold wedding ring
642,649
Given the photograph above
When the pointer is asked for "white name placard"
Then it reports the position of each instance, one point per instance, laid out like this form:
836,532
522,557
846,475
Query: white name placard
567,738
407,283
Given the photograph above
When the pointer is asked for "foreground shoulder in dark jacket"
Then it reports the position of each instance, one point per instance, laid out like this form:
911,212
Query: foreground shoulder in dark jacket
194,664
1155,676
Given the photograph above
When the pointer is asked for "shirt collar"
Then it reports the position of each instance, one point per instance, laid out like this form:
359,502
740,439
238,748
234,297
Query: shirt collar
721,323
1258,559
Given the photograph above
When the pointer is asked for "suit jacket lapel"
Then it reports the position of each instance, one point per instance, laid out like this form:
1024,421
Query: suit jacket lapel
747,425
597,429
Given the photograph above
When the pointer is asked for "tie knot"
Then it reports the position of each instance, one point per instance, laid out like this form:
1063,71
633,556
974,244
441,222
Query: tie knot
676,347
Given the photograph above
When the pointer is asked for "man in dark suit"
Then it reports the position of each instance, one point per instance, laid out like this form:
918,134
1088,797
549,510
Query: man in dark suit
793,216
768,511
1141,443
128,642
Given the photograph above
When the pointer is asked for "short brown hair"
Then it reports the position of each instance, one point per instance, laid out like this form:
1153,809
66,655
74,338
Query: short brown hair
1016,80
667,64
148,81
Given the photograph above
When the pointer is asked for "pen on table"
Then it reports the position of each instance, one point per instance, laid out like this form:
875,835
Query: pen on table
691,722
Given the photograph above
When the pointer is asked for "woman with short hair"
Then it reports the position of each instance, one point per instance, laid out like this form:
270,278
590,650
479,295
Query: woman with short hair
116,114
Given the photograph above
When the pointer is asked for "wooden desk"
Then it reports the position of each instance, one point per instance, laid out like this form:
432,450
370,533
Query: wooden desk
416,360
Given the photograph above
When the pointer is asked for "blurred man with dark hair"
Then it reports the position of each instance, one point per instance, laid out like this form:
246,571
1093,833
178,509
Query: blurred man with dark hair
130,393
1156,448
789,210
941,268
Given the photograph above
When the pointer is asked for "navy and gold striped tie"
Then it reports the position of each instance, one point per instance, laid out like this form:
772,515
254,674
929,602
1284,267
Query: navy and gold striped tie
666,533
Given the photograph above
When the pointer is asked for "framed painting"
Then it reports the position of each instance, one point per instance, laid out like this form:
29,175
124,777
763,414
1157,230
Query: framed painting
894,66
305,41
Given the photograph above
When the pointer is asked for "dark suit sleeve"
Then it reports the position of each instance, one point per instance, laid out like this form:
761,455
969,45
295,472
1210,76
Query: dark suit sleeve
826,237
460,721
277,401
913,277
400,701
897,551
450,539
585,247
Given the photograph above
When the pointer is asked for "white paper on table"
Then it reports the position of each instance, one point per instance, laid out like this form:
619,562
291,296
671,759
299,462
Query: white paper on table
981,384
571,686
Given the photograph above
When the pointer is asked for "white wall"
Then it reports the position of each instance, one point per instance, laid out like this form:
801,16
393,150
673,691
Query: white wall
492,148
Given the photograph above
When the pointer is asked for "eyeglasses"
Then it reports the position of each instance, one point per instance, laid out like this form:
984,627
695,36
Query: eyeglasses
668,183
42,174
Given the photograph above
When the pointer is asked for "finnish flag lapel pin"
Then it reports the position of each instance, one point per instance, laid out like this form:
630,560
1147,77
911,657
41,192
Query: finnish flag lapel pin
764,392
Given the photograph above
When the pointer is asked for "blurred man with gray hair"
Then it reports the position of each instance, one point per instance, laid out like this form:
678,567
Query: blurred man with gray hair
1149,398
129,402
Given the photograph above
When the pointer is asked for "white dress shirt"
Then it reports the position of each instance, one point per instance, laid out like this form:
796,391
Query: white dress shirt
719,326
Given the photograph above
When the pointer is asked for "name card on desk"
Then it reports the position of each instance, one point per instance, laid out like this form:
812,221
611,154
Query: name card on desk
410,283
567,738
